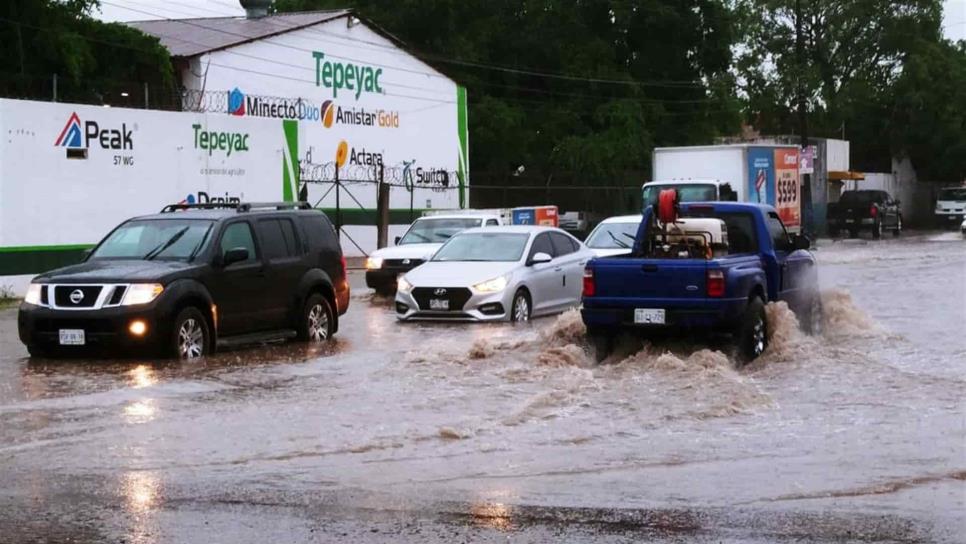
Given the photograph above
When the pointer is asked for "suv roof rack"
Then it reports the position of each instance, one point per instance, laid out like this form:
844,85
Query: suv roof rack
205,206
249,206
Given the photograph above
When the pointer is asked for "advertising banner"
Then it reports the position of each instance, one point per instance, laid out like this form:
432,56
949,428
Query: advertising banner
761,175
787,187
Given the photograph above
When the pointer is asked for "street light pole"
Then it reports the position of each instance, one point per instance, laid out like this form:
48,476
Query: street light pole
807,226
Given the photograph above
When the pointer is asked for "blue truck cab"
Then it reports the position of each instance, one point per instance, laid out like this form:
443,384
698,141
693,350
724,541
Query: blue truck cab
702,282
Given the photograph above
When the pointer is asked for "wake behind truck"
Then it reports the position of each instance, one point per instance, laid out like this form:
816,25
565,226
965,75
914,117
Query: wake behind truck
709,267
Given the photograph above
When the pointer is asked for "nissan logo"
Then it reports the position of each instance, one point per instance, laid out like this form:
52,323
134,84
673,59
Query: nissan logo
76,296
438,292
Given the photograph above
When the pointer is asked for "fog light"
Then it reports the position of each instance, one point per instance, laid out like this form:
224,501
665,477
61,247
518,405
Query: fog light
138,327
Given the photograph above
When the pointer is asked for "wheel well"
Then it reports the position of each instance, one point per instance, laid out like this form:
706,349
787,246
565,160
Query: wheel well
526,292
757,292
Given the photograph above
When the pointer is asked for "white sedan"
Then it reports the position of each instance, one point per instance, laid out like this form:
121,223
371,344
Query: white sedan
614,235
508,273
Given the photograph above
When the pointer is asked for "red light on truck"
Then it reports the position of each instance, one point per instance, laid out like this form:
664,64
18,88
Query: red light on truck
873,211
716,283
590,287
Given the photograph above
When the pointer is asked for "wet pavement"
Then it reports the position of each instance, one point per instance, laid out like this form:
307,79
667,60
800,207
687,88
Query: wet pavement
494,433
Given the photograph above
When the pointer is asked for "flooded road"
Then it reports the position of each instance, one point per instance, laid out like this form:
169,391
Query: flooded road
442,433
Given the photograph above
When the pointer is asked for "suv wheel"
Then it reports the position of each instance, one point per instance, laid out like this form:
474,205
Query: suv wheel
317,320
190,338
898,228
877,229
752,332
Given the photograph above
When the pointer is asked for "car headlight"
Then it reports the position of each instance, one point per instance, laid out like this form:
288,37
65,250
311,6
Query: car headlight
33,294
141,293
492,286
373,263
403,286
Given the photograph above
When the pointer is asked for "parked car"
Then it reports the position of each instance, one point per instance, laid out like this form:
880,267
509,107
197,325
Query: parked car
614,235
871,210
509,273
425,236
712,270
951,206
191,278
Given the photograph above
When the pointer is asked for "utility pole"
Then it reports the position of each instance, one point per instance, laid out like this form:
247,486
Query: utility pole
807,227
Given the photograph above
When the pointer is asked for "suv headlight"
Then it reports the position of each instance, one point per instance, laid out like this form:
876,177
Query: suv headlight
373,263
33,294
141,293
403,286
492,286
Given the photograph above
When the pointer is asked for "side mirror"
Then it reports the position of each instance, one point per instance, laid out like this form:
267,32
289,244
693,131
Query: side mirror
398,238
234,255
801,242
539,258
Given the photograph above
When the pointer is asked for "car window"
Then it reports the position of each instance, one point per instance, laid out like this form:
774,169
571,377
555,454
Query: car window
779,237
272,239
561,244
492,223
291,240
317,230
542,244
741,230
613,236
239,235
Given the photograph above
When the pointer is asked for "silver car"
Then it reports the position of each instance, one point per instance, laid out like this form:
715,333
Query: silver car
508,273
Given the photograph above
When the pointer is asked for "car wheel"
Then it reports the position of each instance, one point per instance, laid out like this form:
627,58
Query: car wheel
812,320
877,230
190,337
386,290
752,332
898,229
317,320
521,311
38,351
602,344
853,233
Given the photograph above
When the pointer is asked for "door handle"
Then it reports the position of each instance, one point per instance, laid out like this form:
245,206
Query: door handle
558,269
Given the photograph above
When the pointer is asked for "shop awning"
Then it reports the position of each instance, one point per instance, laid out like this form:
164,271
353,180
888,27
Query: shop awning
844,175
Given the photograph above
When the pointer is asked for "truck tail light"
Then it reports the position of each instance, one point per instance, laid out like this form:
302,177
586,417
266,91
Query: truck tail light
716,283
590,286
345,270
873,211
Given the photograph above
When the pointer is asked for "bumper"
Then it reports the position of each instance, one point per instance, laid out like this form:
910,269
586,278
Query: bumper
950,218
104,329
479,307
839,224
715,314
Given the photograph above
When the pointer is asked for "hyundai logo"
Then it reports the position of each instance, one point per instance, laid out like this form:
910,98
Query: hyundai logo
76,296
438,292
405,261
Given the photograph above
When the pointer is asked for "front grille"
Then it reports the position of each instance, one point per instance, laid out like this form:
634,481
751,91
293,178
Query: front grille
457,297
117,295
62,296
405,264
44,296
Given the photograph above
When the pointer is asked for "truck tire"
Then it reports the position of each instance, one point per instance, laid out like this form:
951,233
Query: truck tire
877,229
190,337
853,232
752,332
898,228
812,318
317,320
601,344
38,352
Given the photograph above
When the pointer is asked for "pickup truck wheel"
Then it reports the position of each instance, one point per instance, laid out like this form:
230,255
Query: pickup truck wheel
520,312
898,228
853,233
190,338
877,230
38,351
317,320
753,332
602,344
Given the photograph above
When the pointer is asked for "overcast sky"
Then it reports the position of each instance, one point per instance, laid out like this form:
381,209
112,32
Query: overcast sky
954,24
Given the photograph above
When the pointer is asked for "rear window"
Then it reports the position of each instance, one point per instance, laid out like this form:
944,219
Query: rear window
318,230
859,198
953,194
741,230
687,192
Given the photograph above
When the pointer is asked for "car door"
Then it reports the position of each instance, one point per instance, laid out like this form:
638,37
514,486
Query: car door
543,280
794,266
282,254
570,262
237,289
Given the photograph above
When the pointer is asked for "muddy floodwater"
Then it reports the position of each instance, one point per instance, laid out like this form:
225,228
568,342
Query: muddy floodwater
495,433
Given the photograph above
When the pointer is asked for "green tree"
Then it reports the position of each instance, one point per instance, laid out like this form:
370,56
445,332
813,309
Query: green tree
94,61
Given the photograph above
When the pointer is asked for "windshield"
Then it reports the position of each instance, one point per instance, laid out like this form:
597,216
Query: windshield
435,231
952,194
613,236
687,192
163,239
484,247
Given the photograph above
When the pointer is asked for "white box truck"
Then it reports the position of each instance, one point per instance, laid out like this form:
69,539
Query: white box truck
766,173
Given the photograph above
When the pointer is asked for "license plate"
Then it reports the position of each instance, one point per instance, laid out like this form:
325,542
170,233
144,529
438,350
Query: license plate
72,337
850,220
438,304
648,316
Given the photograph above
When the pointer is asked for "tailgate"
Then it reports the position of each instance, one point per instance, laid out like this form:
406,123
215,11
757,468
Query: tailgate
650,278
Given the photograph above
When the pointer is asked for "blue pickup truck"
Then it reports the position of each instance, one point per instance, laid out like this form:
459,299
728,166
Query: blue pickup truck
712,269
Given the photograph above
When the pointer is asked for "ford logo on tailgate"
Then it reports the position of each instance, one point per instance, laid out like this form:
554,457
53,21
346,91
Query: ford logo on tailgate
439,292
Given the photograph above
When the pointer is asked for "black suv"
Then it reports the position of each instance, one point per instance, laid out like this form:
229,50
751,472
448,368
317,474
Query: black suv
864,210
191,277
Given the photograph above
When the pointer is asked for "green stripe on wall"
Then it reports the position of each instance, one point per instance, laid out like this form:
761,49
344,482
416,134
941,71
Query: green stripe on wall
37,259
